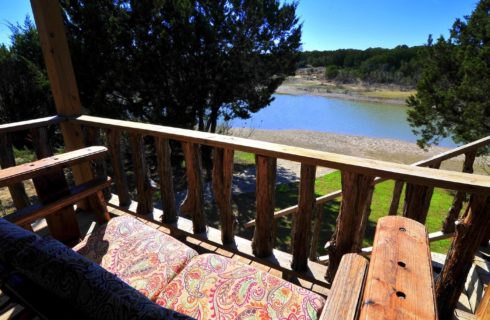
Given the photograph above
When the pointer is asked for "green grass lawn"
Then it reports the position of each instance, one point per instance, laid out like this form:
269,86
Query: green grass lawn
287,195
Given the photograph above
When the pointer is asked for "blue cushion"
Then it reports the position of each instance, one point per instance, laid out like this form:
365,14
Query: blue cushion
83,284
12,239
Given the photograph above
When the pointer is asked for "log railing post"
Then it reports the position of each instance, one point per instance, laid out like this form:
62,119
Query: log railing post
118,172
395,200
222,179
194,203
317,228
264,235
63,225
143,186
7,159
100,167
469,235
347,238
302,223
162,149
453,214
417,200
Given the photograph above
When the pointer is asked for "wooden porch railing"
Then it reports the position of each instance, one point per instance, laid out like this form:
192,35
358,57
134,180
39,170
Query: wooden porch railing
358,178
417,198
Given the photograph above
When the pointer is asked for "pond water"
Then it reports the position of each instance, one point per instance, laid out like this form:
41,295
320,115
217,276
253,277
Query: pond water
334,115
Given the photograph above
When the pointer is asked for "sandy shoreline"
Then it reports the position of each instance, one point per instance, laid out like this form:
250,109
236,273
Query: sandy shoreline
321,92
372,148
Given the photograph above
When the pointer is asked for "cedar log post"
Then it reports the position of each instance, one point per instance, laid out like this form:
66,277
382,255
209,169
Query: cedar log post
264,233
417,200
302,222
222,180
49,23
347,238
194,203
7,159
395,200
99,165
143,186
316,231
469,235
162,149
118,172
453,214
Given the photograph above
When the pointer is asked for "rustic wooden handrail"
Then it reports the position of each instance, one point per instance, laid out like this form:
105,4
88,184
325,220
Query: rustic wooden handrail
22,172
377,168
30,124
437,159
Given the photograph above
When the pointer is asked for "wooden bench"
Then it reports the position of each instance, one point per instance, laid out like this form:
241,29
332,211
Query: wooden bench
56,198
399,283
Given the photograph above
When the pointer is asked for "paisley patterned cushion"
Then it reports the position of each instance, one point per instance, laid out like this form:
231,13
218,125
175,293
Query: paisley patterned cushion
215,287
96,293
143,257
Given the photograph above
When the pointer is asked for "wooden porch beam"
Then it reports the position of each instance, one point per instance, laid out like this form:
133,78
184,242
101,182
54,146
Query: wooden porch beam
49,22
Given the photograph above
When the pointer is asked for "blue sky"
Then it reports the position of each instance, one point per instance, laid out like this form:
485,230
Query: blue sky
335,24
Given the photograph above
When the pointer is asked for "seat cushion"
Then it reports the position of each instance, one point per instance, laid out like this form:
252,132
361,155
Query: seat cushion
143,257
81,283
215,287
12,239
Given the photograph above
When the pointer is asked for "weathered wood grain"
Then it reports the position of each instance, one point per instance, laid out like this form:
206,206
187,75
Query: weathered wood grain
32,213
469,235
395,200
301,231
162,149
143,186
345,296
317,227
264,235
222,179
99,166
51,185
118,173
52,35
193,204
399,283
453,214
7,160
347,238
48,165
483,310
417,200
388,170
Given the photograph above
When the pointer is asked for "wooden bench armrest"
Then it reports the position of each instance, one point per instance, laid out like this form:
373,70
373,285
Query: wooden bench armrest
400,282
344,299
11,175
32,213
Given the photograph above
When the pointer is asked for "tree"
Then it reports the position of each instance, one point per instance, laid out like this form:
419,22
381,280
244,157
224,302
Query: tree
452,94
24,85
181,63
331,71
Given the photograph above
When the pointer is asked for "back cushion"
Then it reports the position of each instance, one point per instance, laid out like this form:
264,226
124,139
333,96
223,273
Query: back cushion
12,239
83,284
